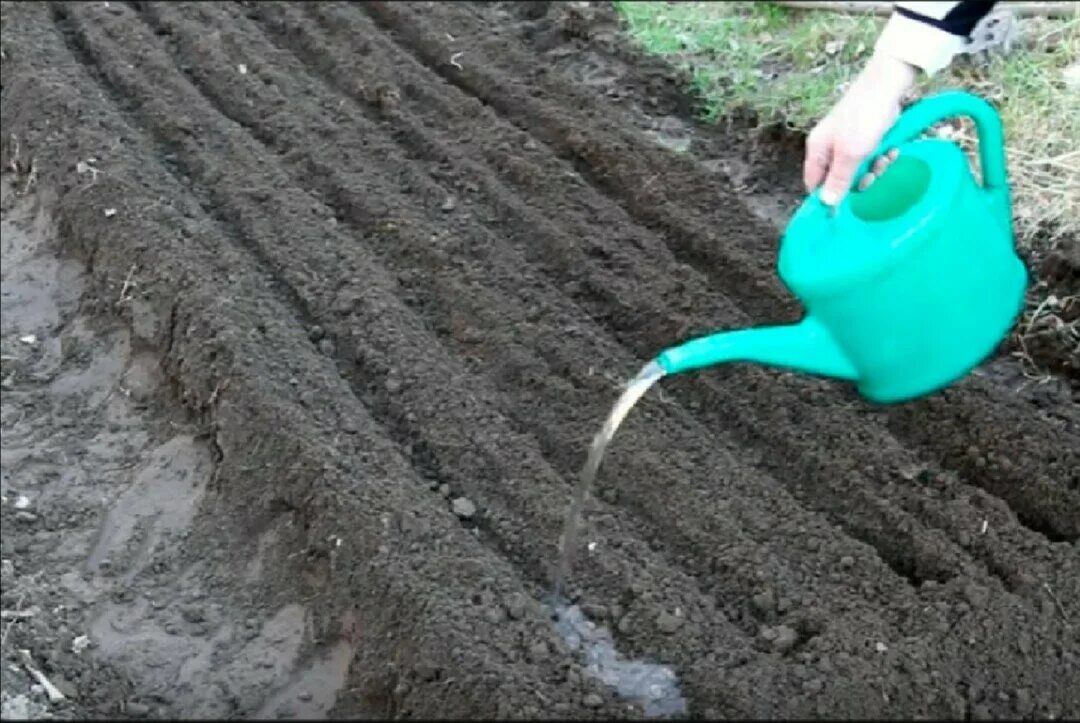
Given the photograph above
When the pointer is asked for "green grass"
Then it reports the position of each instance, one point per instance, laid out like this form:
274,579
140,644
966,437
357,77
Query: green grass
789,66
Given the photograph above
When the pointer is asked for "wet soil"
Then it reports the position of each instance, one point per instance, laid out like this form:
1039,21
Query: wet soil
326,302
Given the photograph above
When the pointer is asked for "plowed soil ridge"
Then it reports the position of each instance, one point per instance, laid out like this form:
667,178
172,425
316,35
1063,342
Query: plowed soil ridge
691,197
395,260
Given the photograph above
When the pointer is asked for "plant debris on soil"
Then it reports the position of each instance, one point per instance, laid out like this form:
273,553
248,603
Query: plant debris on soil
310,311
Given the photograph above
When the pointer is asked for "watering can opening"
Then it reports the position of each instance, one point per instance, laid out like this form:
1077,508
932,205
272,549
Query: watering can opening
895,192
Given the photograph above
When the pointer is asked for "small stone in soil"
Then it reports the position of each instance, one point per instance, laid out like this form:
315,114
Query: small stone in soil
594,611
193,614
494,615
463,508
515,606
137,709
764,603
783,638
592,700
668,623
538,651
471,335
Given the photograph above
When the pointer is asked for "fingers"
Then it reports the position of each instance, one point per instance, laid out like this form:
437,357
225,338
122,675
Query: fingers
877,169
832,159
840,176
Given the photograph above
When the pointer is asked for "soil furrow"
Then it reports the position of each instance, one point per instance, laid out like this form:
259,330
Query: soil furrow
400,315
551,240
396,348
245,224
384,346
345,73
448,366
1042,500
326,492
910,565
440,262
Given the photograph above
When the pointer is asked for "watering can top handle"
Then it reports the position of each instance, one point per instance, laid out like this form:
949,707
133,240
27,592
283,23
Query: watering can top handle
928,111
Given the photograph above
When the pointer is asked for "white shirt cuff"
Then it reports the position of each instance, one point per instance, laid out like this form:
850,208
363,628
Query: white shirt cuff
918,44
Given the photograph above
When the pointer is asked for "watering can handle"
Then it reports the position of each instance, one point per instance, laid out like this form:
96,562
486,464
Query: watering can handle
928,111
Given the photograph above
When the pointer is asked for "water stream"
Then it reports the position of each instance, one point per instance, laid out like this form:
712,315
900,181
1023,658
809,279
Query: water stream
649,375
652,686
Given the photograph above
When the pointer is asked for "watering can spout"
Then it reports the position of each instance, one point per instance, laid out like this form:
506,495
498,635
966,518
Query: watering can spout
805,347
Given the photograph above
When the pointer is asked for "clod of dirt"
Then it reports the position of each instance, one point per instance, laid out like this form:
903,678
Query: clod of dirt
668,623
138,709
193,614
592,700
463,508
516,606
764,603
20,707
1062,265
781,639
1023,701
538,651
594,611
976,595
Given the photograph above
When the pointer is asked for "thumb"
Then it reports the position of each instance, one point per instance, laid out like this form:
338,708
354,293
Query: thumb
816,162
841,175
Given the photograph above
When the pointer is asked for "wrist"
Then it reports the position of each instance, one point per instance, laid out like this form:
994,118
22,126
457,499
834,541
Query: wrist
885,73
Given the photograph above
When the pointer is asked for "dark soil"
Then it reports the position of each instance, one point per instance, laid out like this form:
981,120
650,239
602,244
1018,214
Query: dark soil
348,264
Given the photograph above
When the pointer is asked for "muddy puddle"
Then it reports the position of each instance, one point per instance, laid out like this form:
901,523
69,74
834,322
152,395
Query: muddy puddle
652,686
97,484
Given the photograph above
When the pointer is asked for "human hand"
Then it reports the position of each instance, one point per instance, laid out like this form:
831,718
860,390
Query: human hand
853,128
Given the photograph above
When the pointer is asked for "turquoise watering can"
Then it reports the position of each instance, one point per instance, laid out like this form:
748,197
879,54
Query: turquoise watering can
907,286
